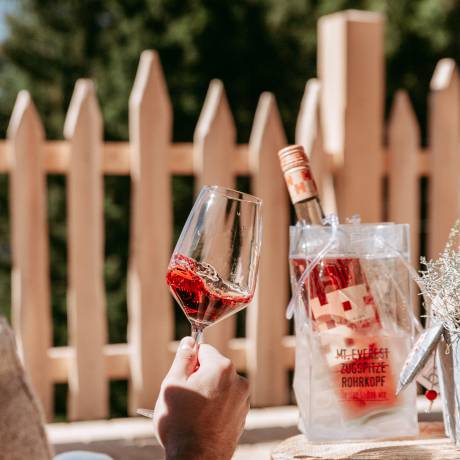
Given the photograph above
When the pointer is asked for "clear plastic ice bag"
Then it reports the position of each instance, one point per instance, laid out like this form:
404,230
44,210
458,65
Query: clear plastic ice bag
354,326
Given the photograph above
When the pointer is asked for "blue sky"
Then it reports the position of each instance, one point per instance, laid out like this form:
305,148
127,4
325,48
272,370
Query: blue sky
6,6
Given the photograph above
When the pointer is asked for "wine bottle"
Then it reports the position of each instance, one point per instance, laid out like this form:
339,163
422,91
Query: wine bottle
334,275
339,301
301,185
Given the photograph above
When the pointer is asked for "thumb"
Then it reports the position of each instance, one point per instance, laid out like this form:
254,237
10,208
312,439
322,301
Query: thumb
186,360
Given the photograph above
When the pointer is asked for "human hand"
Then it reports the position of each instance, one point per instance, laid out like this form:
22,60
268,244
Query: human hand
200,412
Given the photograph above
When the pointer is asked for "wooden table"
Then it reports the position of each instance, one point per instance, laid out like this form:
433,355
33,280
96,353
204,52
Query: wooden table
431,444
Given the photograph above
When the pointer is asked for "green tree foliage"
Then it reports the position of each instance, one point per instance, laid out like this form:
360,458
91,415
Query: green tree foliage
252,45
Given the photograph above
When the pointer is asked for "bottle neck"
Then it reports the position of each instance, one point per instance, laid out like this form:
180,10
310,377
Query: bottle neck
304,194
309,211
301,184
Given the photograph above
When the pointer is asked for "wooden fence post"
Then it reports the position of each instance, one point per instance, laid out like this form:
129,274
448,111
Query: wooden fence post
444,138
308,133
29,233
88,386
213,150
404,151
150,310
351,70
266,324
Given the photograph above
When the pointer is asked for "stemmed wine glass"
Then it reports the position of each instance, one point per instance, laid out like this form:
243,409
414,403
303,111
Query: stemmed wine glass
213,269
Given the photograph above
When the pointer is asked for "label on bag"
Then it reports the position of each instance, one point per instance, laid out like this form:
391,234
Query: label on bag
362,374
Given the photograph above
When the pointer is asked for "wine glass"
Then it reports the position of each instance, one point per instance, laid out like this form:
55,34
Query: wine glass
213,269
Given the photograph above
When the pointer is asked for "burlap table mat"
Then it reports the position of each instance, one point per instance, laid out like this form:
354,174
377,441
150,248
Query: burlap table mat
431,444
22,432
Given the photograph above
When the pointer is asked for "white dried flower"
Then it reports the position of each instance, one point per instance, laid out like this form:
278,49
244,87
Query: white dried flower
440,282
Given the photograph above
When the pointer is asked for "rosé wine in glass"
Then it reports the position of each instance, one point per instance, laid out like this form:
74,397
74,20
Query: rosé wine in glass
213,269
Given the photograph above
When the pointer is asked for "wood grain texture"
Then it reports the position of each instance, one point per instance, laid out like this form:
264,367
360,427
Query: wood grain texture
214,144
88,387
31,311
117,358
444,139
431,444
116,159
309,134
351,69
266,323
403,152
151,320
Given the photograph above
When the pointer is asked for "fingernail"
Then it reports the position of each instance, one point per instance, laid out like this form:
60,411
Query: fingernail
187,343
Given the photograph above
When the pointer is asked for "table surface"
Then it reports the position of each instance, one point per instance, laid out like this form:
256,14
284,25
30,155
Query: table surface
430,444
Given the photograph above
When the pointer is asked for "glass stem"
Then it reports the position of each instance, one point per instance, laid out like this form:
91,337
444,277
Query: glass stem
197,334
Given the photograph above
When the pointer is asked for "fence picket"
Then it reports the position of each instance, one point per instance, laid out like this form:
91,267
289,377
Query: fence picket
266,324
340,123
31,312
444,139
88,387
351,70
150,309
213,151
403,177
308,133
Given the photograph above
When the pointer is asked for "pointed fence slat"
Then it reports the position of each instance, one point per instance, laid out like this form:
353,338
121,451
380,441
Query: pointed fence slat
150,309
444,139
31,312
308,133
351,70
403,152
266,324
213,150
88,387
306,130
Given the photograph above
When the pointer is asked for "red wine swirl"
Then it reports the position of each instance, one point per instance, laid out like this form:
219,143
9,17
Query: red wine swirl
203,295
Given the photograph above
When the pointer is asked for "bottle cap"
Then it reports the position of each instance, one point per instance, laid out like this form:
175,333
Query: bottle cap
292,156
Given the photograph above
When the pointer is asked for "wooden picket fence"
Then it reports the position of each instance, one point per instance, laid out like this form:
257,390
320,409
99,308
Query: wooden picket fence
340,122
